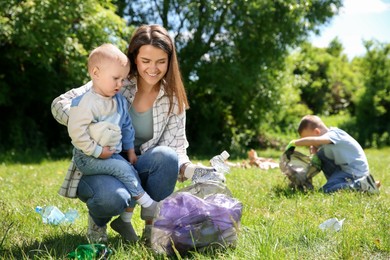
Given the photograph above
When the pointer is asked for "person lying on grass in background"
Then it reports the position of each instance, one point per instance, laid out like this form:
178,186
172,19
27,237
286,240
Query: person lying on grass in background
339,155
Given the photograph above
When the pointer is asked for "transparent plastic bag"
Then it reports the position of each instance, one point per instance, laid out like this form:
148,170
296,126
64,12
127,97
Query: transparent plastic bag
204,189
299,169
332,224
186,222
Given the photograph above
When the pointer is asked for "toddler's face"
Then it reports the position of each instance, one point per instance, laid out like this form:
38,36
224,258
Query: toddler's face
110,78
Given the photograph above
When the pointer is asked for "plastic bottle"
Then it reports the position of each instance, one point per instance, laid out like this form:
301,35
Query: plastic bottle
71,215
91,251
217,176
50,214
218,162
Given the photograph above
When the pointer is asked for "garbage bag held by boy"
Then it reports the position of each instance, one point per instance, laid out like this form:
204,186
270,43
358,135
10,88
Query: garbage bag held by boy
299,169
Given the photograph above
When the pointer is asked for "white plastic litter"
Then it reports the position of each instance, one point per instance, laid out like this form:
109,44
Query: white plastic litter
332,224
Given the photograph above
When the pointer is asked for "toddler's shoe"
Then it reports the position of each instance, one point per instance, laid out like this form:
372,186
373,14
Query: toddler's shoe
125,229
149,212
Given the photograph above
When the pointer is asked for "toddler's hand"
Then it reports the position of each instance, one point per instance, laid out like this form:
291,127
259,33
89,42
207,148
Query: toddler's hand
132,156
106,152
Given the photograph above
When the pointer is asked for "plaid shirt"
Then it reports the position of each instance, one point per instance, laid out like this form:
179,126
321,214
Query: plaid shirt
168,129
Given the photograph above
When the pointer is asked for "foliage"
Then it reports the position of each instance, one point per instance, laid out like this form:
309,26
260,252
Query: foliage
277,223
231,54
243,91
325,78
44,46
373,111
357,90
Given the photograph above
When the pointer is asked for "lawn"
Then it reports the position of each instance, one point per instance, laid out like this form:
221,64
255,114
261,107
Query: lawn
277,223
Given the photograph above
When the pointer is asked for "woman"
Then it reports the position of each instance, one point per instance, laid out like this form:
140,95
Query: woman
158,103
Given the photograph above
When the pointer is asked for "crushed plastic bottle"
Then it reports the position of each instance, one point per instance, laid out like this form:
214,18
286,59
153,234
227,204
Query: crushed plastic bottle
54,216
219,162
217,176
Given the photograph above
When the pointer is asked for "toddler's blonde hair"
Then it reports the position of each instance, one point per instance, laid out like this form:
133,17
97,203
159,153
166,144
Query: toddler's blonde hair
106,52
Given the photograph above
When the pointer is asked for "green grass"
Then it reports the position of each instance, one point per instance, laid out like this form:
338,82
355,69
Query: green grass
277,223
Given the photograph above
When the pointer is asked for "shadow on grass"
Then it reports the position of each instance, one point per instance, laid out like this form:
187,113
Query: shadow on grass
288,192
59,246
52,247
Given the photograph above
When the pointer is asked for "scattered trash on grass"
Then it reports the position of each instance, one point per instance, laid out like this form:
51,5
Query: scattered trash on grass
255,161
54,216
91,251
332,224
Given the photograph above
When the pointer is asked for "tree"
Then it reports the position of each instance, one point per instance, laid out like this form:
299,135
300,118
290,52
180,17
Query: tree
373,110
325,78
231,53
44,46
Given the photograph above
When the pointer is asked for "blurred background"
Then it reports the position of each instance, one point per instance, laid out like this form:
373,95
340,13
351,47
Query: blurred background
252,69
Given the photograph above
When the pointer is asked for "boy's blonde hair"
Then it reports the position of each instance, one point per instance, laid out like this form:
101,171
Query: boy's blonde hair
310,122
106,52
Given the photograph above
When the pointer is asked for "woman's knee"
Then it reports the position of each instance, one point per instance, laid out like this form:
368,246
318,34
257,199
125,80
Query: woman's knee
164,155
104,195
159,160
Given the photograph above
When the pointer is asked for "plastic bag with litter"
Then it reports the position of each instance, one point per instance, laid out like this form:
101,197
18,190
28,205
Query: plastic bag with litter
199,216
299,169
185,222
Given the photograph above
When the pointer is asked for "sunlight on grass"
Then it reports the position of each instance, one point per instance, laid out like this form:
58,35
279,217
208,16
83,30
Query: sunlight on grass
277,222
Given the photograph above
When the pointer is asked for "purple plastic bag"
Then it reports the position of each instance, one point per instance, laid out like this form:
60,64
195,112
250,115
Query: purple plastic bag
186,222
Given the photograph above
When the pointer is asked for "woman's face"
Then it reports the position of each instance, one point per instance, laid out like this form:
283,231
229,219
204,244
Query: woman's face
152,65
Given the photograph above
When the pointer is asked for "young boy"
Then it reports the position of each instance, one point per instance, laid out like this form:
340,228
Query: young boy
342,159
99,109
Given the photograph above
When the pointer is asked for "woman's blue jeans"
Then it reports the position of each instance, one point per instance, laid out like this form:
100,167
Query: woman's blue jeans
106,196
